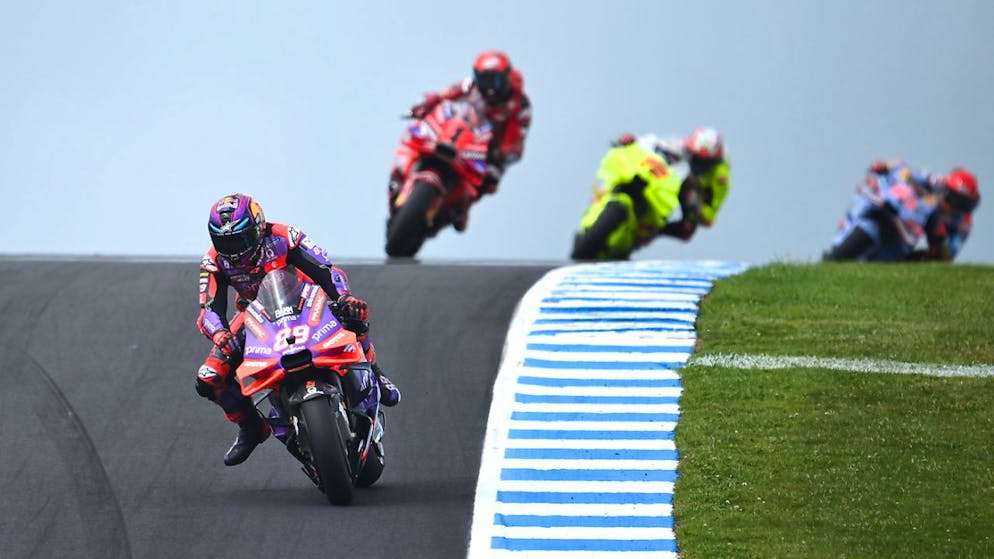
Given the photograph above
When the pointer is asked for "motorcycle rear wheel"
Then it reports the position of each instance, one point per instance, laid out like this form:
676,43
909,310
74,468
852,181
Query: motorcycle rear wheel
592,243
409,227
328,452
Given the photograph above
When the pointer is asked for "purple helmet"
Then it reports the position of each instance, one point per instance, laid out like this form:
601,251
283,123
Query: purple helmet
236,225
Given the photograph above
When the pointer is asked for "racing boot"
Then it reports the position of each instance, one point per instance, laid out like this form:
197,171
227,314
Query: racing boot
389,393
460,214
252,431
460,219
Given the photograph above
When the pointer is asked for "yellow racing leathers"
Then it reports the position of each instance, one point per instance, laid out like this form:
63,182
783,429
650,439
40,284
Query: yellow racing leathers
701,196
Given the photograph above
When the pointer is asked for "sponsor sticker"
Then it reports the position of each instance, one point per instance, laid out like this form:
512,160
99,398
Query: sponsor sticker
208,264
256,329
323,331
317,308
285,311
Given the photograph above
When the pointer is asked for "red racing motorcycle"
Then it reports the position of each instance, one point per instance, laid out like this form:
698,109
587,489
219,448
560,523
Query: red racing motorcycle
438,169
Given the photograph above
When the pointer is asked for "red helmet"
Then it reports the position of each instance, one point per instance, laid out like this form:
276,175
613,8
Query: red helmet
962,193
492,75
705,143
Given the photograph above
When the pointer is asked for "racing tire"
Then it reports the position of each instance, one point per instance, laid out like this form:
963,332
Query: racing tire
328,452
408,229
853,247
592,243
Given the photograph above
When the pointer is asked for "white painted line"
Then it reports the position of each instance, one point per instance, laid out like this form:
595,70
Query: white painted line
611,375
675,326
596,408
855,365
555,509
561,464
589,486
665,426
641,304
612,297
623,444
558,313
640,339
613,391
643,357
584,533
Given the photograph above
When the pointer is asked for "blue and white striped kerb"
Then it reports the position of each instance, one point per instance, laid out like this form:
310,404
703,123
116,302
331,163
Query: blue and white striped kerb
579,459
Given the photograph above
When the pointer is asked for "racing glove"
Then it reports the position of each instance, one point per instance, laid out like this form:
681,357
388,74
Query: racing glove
489,183
226,342
425,106
351,307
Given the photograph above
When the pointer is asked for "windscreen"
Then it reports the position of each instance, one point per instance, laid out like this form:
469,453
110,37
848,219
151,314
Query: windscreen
279,292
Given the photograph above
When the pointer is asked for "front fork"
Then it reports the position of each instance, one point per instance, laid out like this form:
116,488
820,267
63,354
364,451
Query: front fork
365,422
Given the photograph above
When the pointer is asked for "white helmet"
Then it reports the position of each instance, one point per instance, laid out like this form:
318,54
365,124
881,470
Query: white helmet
705,143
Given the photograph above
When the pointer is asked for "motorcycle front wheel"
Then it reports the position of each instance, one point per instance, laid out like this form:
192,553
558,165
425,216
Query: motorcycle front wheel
407,230
328,452
592,243
853,247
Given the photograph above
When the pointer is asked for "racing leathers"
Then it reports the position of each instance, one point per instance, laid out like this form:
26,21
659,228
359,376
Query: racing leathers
702,193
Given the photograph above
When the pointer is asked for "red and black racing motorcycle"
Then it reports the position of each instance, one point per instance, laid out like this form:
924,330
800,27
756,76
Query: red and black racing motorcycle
439,167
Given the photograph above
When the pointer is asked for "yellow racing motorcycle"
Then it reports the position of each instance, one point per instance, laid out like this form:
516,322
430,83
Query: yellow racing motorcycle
635,194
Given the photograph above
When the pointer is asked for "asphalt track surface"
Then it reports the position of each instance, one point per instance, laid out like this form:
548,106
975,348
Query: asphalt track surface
106,450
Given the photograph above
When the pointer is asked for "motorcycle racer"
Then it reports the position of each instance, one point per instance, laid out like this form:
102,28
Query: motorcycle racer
496,91
244,247
949,225
704,189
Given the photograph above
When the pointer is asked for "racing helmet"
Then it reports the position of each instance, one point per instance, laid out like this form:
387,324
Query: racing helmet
705,143
492,76
237,226
962,193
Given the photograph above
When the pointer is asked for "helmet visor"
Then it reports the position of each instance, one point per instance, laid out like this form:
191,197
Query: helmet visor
960,202
243,238
493,85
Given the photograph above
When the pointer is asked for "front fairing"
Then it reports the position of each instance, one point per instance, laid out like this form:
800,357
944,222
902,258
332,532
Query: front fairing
660,195
288,328
453,134
903,205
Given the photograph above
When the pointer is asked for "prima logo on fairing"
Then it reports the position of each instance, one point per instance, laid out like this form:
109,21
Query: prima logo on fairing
255,349
323,331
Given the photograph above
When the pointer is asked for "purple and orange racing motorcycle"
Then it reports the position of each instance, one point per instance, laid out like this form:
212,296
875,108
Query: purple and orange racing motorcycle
311,372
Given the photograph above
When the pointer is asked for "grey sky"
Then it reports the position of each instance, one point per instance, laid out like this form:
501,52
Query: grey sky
121,122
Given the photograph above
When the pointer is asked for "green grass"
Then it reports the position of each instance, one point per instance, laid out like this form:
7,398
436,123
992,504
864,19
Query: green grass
819,463
928,313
